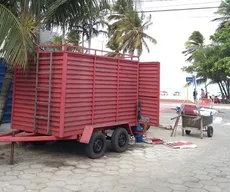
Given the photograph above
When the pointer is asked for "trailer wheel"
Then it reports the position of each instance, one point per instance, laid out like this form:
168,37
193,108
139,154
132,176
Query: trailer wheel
210,131
97,146
188,132
120,140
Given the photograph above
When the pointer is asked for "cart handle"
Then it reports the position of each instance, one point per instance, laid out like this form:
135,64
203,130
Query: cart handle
175,117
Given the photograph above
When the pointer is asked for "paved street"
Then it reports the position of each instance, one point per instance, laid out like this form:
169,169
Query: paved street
62,167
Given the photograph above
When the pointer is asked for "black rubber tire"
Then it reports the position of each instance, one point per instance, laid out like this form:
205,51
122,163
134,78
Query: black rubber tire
188,132
120,140
96,147
210,131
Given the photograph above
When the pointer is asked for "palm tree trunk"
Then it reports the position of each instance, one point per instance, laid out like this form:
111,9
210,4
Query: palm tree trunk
82,44
228,87
224,90
5,90
89,46
63,34
89,42
221,90
206,87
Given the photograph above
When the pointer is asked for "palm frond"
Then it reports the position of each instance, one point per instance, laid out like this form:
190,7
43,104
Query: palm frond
145,45
188,84
201,81
15,42
128,32
211,82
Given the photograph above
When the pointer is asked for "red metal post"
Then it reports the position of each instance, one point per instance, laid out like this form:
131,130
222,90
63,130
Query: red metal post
118,82
12,110
94,84
158,92
138,74
12,151
63,93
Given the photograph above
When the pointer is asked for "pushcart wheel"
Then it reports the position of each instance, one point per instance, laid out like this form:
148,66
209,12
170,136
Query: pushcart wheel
210,131
187,132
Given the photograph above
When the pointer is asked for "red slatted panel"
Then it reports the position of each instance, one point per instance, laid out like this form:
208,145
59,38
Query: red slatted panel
24,96
79,89
128,91
99,90
86,90
149,90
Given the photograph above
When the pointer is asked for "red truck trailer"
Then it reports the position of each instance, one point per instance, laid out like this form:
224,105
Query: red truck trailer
75,93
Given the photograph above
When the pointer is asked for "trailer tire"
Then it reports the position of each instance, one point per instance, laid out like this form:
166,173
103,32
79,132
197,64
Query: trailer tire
210,131
120,140
96,148
188,132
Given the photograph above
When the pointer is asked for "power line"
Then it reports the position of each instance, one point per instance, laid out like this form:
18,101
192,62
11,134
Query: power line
143,1
182,9
177,5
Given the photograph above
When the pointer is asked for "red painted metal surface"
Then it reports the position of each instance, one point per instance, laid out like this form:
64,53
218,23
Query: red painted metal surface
149,90
88,130
87,89
205,102
24,96
26,137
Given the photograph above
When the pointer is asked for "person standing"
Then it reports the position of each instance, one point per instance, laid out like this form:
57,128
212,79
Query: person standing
195,95
212,101
202,93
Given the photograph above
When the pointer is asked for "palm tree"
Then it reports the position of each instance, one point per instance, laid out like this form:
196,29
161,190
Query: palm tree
89,28
16,42
57,40
19,24
127,32
73,37
69,12
194,45
224,12
196,52
91,24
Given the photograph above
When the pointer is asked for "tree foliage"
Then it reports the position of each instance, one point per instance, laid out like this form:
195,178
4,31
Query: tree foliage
16,39
223,13
127,31
212,61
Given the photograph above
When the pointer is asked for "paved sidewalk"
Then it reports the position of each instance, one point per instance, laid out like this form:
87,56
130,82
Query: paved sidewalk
61,167
5,127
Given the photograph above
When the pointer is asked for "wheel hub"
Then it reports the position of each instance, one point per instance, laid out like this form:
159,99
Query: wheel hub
122,140
98,146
